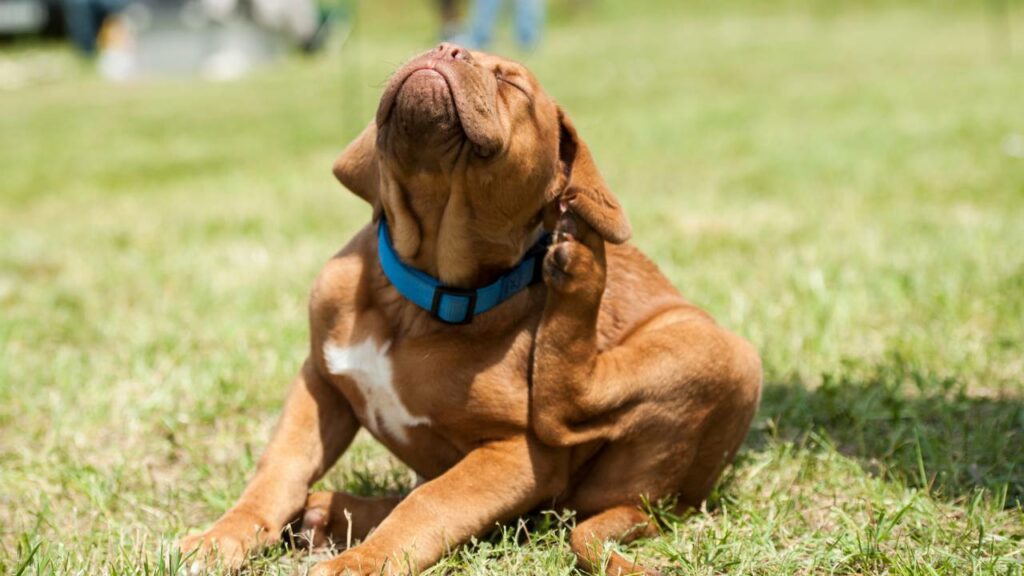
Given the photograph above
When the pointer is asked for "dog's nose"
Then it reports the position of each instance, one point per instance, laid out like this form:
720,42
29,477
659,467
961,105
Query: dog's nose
446,51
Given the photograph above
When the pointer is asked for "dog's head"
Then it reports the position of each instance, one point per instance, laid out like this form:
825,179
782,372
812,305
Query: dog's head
468,159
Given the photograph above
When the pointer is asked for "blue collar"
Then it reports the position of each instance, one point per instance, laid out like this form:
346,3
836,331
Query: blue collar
457,305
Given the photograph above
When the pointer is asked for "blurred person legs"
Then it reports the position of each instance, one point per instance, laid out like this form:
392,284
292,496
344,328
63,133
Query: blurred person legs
84,19
529,21
450,23
485,15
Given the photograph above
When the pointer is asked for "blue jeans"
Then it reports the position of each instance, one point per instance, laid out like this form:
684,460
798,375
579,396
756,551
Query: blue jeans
529,20
84,19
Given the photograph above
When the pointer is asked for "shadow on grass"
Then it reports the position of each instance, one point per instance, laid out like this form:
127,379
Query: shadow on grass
903,423
895,419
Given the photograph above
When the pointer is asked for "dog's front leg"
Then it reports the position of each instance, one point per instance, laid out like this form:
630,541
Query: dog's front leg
493,483
570,398
316,426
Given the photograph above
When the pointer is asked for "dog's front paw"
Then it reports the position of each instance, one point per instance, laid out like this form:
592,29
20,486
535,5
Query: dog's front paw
227,544
357,561
575,261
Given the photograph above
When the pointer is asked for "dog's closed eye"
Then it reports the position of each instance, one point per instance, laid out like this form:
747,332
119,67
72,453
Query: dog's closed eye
505,78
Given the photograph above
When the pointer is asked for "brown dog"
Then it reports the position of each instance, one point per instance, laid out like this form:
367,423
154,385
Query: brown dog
591,390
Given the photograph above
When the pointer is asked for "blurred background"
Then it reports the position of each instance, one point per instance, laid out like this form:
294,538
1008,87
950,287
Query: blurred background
841,182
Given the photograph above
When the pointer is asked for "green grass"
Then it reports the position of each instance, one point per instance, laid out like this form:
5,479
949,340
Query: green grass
838,184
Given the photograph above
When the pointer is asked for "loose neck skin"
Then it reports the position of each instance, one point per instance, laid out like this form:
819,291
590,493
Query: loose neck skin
459,218
440,232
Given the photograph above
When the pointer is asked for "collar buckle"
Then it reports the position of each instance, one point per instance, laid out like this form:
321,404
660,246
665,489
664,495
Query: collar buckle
441,291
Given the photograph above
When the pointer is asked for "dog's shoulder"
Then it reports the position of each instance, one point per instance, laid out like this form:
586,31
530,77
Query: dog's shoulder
629,267
636,291
343,284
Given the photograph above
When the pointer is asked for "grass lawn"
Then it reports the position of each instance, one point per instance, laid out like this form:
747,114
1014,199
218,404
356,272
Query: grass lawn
843,186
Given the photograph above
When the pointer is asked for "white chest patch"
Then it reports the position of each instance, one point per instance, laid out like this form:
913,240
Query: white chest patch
369,366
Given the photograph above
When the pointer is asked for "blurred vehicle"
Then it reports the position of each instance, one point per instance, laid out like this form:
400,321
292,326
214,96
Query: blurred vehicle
214,39
181,38
31,18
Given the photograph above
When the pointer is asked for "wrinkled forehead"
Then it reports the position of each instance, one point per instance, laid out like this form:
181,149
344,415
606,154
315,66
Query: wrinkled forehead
494,62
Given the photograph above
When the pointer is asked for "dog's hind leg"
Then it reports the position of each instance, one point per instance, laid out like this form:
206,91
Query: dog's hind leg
677,376
341,518
620,524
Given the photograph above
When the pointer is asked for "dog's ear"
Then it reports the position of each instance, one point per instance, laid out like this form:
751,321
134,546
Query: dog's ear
356,168
586,192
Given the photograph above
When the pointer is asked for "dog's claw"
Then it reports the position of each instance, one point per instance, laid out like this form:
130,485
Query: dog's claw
567,229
